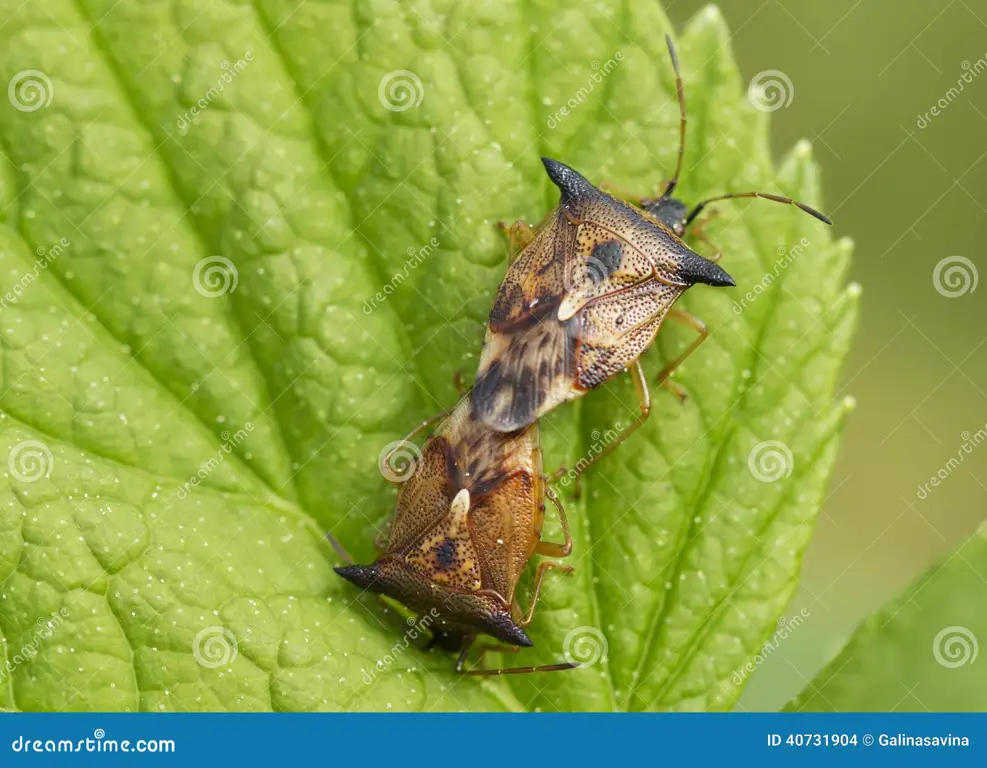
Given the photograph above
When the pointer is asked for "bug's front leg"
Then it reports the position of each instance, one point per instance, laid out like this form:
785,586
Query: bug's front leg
519,236
698,231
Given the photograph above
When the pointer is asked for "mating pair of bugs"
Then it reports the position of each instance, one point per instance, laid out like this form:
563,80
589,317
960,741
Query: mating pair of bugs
584,296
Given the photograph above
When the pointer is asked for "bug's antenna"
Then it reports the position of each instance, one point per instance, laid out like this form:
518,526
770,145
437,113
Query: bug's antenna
522,670
764,195
672,183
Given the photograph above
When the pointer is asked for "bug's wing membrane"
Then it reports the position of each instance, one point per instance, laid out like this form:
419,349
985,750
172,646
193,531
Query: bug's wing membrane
616,330
524,375
533,284
505,532
526,362
425,497
602,263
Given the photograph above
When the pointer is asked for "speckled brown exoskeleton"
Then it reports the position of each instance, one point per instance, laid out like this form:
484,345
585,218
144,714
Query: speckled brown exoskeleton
469,518
587,292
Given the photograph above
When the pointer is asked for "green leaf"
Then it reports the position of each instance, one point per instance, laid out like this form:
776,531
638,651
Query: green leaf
173,455
921,652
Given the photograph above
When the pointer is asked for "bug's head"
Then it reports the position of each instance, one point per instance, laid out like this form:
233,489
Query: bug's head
617,245
670,212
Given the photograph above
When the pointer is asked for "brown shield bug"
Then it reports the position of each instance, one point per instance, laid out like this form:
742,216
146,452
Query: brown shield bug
468,519
587,292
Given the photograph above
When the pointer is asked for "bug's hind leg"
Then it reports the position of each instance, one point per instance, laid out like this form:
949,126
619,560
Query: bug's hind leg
683,317
553,548
519,236
644,407
543,567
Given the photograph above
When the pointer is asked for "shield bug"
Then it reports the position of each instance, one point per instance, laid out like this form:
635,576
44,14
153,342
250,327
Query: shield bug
469,518
587,292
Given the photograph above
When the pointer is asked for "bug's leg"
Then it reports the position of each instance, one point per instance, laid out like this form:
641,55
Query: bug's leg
464,653
457,380
519,236
699,232
644,405
623,194
553,548
543,567
561,472
485,648
683,317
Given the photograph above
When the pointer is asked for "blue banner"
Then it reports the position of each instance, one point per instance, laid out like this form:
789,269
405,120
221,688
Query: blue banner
471,740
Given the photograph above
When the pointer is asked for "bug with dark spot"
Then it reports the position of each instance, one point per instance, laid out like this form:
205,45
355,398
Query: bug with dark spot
602,273
467,522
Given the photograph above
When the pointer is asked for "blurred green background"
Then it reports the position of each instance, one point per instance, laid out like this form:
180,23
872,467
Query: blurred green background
863,72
